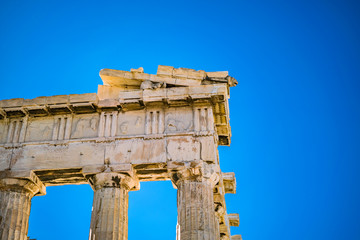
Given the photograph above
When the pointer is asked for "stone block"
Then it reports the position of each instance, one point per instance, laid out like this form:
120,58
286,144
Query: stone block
165,70
178,119
11,103
122,79
208,149
138,70
40,129
229,182
60,156
189,73
108,92
85,126
57,100
83,98
234,219
108,104
182,149
236,237
40,100
130,95
154,95
136,151
131,123
222,74
5,158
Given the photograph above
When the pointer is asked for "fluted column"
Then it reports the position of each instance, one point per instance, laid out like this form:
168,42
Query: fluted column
217,224
195,202
109,219
15,203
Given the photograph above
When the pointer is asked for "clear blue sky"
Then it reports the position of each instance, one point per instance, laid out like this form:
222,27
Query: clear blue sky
295,114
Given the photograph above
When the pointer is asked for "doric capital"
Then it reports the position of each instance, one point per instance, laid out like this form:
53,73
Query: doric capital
21,181
19,185
113,180
196,171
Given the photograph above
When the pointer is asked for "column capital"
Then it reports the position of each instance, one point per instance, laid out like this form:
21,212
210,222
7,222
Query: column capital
114,180
196,171
22,181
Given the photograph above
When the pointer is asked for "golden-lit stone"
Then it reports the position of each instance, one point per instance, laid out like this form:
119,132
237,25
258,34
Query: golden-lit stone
138,127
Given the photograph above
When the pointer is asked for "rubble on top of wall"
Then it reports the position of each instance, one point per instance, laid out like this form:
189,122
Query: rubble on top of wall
166,75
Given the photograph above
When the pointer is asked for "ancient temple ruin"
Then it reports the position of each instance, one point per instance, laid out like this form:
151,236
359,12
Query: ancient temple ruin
138,127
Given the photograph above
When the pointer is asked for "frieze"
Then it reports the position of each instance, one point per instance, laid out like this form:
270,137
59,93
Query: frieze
85,126
131,123
179,119
40,129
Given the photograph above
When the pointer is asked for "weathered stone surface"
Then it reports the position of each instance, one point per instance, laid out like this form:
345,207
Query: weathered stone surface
178,119
5,158
229,182
196,215
14,215
131,123
183,149
208,149
109,218
138,127
196,211
39,130
15,202
234,220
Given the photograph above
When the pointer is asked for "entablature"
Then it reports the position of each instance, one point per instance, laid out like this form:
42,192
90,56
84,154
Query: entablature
207,100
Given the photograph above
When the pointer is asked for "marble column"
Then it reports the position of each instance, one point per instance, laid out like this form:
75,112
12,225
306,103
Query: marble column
217,224
15,202
109,219
195,202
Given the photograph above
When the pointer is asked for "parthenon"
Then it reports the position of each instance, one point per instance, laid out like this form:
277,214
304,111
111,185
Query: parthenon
137,127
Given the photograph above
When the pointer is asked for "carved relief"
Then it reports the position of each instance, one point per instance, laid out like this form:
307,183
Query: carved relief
138,122
176,126
85,127
178,120
39,130
131,123
124,127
